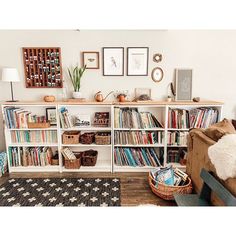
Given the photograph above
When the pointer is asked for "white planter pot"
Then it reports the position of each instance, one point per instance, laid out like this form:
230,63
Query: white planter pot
77,95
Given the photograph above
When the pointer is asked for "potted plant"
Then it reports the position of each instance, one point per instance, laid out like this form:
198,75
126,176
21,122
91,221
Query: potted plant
75,76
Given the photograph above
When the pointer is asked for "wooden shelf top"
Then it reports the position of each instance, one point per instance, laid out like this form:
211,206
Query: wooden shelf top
158,102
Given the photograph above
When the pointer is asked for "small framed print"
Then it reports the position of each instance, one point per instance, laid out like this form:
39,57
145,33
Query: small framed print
90,59
113,61
183,82
137,61
51,115
157,74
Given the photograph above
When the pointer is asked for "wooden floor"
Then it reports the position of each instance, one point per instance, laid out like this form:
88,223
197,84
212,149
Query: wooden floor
134,186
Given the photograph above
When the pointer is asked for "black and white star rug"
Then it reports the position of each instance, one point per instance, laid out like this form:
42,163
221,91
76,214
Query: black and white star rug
60,192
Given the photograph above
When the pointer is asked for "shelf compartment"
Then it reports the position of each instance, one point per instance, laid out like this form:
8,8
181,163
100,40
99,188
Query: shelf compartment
35,169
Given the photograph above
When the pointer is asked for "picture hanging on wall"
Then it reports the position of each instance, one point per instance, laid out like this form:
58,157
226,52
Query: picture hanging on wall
90,59
42,67
183,82
113,61
137,61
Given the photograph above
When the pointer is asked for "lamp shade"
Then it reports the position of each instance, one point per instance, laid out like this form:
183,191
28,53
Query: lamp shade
10,75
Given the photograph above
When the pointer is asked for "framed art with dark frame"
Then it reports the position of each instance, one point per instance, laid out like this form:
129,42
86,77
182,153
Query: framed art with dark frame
51,115
113,61
90,59
183,83
137,61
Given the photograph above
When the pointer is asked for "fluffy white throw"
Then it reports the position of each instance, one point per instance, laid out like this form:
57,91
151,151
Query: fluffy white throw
223,156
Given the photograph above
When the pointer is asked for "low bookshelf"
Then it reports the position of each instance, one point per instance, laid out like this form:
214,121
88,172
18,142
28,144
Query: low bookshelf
143,134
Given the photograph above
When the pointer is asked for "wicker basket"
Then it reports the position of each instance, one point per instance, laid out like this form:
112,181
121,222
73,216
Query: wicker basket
167,192
89,158
87,138
41,125
70,137
55,162
103,138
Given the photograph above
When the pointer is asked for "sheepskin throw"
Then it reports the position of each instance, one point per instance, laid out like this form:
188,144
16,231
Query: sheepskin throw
223,156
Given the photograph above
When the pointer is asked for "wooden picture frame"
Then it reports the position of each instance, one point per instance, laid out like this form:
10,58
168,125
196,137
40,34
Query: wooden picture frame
183,84
137,61
42,67
113,61
91,59
51,115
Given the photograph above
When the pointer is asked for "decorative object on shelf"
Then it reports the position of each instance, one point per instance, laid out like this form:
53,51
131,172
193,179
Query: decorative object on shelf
142,94
70,137
103,138
51,115
10,75
157,72
99,96
42,67
87,138
196,99
121,95
183,81
90,59
101,119
113,61
71,161
38,125
89,158
75,75
157,57
49,98
164,186
137,61
55,159
169,99
82,120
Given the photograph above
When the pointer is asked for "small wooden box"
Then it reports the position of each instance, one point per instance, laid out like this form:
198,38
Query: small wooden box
41,125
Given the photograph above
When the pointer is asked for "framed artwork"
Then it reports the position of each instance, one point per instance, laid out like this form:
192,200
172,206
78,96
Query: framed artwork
137,61
113,61
51,115
143,93
183,82
157,74
91,59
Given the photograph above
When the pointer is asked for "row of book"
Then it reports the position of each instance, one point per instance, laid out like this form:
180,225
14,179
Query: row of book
174,156
132,118
34,136
66,120
177,138
194,118
30,156
17,118
136,157
138,137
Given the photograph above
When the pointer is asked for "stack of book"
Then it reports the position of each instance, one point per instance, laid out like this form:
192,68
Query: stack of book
34,136
194,118
138,137
136,157
203,117
18,118
177,138
132,118
33,156
66,119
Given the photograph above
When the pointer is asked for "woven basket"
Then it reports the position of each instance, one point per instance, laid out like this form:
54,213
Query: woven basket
70,137
167,192
89,158
87,138
72,164
103,138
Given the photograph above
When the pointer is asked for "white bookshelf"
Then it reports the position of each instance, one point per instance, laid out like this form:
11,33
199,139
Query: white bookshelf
105,160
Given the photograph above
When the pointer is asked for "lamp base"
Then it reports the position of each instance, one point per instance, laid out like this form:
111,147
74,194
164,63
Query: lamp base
12,101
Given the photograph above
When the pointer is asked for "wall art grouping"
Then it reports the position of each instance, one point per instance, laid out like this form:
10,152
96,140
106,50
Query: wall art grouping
42,67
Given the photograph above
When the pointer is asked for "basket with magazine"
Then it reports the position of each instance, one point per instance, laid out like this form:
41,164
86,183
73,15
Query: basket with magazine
165,182
71,160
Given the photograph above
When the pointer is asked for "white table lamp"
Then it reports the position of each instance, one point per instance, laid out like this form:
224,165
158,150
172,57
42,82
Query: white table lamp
10,75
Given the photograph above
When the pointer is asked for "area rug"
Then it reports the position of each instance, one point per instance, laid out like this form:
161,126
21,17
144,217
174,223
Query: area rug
60,192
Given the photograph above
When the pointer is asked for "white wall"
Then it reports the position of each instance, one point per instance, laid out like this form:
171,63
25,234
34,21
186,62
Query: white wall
211,54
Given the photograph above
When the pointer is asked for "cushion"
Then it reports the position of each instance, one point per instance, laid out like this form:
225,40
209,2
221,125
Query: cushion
218,130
